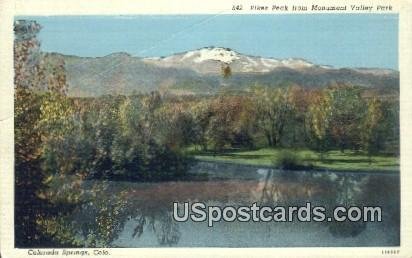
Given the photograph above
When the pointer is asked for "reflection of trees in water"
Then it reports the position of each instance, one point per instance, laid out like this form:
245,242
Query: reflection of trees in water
384,191
163,226
101,216
289,188
148,206
112,214
106,212
365,190
348,193
295,188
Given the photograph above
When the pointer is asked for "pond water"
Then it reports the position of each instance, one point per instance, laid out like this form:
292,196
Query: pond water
130,214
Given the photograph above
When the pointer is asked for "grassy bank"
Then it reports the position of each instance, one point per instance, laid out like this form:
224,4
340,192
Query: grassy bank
333,160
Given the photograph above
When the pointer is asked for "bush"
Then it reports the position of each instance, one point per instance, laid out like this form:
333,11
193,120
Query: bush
289,160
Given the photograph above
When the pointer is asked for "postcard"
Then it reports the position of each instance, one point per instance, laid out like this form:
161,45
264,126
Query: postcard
181,129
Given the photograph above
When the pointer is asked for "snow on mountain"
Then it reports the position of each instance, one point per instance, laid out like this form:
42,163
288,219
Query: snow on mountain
217,54
200,72
210,60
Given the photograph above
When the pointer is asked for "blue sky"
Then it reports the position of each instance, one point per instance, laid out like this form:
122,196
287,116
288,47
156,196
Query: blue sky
340,40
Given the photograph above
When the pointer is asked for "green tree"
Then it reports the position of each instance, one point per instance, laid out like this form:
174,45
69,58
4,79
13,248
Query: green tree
174,126
273,109
40,112
347,109
318,119
371,135
201,113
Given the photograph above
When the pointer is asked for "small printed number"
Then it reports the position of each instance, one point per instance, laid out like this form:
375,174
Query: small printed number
390,251
237,7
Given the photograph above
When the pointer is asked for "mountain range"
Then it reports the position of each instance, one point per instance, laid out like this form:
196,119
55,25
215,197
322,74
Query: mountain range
200,72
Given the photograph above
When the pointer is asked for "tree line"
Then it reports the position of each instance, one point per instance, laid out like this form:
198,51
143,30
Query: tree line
144,136
338,117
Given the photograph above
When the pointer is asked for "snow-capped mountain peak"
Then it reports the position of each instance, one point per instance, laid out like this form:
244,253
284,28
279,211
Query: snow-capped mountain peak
210,60
220,54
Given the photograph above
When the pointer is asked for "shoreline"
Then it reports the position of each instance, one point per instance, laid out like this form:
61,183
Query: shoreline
314,170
